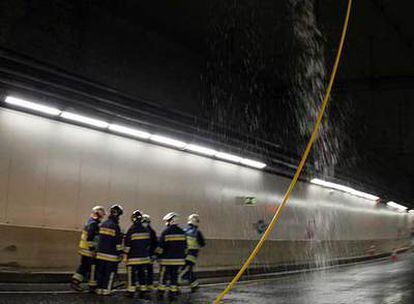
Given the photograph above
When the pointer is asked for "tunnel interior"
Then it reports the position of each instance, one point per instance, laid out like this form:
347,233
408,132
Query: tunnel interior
205,107
173,51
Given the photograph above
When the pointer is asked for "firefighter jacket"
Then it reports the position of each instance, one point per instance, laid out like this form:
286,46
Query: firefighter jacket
153,241
172,246
110,241
195,241
89,238
137,245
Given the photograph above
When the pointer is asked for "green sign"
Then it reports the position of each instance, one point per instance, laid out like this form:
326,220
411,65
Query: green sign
250,201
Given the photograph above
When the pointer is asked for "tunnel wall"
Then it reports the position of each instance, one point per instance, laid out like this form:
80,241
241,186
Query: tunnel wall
52,173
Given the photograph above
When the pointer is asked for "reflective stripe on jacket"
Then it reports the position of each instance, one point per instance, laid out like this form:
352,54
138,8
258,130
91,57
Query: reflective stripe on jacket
89,238
110,241
195,239
137,245
172,246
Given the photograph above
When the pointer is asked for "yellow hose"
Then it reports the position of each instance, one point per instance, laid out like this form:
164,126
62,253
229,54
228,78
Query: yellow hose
300,166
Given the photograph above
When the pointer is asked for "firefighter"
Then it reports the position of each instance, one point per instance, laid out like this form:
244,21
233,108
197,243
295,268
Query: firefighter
109,251
171,254
195,241
146,222
137,251
87,250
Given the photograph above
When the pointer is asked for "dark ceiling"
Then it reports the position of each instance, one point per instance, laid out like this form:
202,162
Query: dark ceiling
172,53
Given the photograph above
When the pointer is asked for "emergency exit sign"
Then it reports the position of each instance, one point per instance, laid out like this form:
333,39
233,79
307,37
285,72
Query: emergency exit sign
250,201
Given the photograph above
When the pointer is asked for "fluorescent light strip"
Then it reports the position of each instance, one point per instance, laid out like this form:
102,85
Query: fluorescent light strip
201,150
252,163
32,106
133,132
168,141
227,156
397,206
129,131
343,188
363,194
85,120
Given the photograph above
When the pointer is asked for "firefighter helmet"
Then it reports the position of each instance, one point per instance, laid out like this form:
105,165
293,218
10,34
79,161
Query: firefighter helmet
116,210
194,219
170,218
146,218
136,216
98,212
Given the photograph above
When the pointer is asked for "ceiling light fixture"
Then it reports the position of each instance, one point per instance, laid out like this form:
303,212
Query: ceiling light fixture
18,102
85,120
397,206
129,131
32,106
343,188
168,141
200,150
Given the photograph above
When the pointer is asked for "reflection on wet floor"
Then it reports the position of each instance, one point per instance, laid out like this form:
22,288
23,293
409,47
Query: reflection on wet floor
382,282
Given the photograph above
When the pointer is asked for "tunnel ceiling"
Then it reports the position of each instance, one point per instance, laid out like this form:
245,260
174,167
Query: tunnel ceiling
158,51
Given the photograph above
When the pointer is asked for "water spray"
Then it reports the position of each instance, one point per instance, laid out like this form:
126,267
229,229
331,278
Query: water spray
299,169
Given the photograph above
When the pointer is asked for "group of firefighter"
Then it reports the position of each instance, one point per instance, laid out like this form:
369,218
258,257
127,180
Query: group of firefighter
103,246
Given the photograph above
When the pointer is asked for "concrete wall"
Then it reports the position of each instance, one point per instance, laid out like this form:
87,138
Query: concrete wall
52,173
52,249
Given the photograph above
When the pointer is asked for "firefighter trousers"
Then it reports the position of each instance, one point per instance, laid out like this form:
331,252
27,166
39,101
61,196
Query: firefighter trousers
137,277
187,274
86,271
169,278
105,275
150,274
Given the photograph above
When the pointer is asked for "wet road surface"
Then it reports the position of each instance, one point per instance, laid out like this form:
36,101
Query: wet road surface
381,282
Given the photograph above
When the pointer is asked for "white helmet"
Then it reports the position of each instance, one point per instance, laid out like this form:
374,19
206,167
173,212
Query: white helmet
98,212
194,219
146,218
170,218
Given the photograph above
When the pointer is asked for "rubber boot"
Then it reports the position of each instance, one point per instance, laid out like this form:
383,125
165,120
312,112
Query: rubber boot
194,286
75,285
